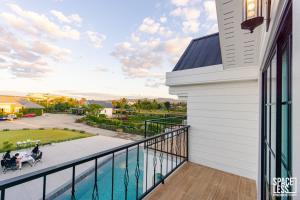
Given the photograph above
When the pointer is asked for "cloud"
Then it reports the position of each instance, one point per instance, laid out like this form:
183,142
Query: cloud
150,26
175,48
96,39
74,18
53,51
210,9
29,69
163,19
18,23
180,2
37,24
155,83
190,26
100,68
188,13
213,29
28,59
190,16
139,60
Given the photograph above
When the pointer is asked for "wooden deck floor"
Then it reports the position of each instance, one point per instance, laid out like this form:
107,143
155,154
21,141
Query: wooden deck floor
197,182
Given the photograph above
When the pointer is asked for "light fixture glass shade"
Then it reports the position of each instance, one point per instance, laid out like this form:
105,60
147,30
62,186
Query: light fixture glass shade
252,14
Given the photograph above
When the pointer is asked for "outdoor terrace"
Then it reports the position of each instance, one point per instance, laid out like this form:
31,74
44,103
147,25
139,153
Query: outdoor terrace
192,181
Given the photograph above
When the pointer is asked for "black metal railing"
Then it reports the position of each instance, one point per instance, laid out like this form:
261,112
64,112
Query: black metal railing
163,125
153,160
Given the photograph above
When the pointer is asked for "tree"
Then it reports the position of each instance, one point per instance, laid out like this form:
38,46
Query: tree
94,109
167,105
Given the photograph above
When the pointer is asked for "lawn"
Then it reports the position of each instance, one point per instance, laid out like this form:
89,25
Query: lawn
46,136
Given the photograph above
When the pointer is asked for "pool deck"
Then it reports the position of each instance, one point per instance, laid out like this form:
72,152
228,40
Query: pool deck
56,154
197,182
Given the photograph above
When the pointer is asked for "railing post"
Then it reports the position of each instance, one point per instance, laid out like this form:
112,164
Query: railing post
187,144
2,194
137,171
145,129
112,176
73,184
44,187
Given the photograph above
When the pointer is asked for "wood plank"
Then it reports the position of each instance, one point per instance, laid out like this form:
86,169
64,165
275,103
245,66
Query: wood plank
197,182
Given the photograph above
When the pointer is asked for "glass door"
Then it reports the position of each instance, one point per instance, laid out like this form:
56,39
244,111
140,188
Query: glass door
276,112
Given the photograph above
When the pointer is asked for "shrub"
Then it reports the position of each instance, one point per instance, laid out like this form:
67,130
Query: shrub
26,129
19,115
66,129
6,129
81,131
37,111
80,120
74,130
7,145
41,128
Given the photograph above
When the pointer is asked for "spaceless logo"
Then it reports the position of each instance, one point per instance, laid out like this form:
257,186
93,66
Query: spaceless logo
285,186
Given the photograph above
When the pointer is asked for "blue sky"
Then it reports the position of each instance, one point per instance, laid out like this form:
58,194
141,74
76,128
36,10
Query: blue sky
97,49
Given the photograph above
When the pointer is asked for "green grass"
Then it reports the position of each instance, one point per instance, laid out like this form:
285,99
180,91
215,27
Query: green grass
46,136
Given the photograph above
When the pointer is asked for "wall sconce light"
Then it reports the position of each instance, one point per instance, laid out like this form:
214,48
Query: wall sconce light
252,14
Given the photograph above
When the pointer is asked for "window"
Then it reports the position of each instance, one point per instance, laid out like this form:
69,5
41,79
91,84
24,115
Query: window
276,111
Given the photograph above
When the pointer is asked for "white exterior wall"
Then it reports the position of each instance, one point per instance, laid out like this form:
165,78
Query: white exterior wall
108,112
223,115
224,126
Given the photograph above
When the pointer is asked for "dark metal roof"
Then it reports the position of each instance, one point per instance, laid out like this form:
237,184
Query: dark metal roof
105,104
201,52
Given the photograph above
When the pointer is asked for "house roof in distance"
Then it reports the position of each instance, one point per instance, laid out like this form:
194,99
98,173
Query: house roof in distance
201,52
20,101
105,104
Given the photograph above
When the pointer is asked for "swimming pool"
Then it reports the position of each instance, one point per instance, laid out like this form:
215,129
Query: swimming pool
84,189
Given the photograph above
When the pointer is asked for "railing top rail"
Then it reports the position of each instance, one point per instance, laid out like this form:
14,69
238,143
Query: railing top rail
165,118
50,170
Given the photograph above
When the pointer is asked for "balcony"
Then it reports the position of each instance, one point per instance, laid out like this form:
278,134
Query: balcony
156,167
192,181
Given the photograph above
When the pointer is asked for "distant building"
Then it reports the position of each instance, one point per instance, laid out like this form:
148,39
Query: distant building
14,104
107,107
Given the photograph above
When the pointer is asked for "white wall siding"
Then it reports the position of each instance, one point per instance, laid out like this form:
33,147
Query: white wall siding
224,126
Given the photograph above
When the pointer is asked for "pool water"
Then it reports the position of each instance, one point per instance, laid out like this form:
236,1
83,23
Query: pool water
84,189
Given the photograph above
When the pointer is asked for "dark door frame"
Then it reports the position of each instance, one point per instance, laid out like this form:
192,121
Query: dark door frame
280,41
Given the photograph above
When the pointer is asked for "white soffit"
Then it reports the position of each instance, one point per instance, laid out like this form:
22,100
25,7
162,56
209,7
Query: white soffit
239,47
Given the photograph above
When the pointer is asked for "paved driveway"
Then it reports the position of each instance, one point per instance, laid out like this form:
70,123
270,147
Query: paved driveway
62,121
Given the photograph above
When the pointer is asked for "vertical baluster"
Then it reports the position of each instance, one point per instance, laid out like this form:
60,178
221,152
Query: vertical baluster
95,194
44,187
73,184
180,153
161,158
126,176
167,154
176,146
145,131
137,171
172,149
184,144
2,194
147,152
112,175
187,144
154,162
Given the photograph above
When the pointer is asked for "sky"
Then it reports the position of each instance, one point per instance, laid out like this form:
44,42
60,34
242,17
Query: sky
98,49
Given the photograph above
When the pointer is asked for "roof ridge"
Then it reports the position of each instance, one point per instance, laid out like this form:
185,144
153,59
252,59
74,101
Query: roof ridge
206,36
